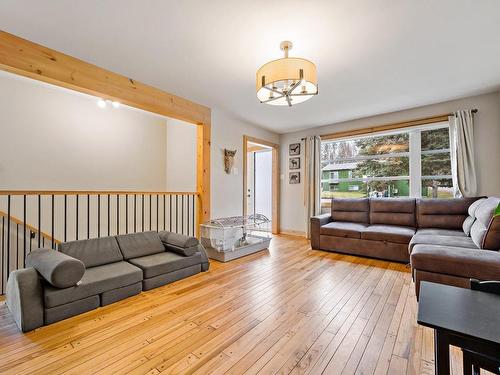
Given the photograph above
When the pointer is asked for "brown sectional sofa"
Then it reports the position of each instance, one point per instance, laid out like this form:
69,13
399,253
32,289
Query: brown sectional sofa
446,240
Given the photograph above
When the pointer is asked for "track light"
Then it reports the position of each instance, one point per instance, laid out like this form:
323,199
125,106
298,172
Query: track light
101,103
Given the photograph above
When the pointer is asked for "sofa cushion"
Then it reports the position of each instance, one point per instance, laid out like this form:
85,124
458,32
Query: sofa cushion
472,216
474,206
136,245
59,269
343,229
443,213
179,243
440,232
393,211
161,263
467,225
456,241
485,231
93,252
177,239
351,210
95,281
457,261
389,233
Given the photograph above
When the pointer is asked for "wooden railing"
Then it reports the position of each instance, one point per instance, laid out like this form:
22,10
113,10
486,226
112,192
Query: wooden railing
34,219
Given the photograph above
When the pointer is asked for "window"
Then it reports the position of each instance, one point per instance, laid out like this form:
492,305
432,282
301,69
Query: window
414,162
436,164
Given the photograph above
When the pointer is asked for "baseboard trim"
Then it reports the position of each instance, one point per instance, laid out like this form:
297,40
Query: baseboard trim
293,233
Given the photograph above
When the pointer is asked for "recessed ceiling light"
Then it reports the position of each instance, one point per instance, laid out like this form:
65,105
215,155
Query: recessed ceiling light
116,104
101,103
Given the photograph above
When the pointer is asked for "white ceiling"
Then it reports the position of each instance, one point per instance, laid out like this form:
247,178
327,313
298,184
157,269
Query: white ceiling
372,56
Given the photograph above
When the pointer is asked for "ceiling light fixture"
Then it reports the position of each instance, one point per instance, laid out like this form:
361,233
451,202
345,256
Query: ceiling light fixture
286,81
116,104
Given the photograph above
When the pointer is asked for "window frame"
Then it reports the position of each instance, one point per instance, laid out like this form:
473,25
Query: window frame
414,155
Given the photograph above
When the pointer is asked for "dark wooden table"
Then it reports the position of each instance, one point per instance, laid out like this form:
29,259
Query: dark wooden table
461,317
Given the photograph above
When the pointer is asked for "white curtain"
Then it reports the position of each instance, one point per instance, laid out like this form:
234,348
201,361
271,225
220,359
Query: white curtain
463,169
312,179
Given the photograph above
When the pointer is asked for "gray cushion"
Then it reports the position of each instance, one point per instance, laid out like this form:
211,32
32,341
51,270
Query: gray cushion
178,240
343,229
179,243
184,251
61,312
136,245
457,261
458,241
167,278
440,232
59,269
389,233
467,225
96,280
474,206
118,294
93,252
157,264
484,214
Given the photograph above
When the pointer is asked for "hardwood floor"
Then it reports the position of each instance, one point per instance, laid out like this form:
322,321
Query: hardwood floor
286,310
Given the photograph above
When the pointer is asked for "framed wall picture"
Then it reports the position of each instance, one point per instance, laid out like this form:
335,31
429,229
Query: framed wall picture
294,149
294,178
294,163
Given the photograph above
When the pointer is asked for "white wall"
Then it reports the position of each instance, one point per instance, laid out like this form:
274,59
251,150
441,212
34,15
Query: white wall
227,189
52,138
181,156
487,140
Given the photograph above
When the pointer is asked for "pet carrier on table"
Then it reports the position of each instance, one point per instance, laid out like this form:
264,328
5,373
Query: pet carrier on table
229,238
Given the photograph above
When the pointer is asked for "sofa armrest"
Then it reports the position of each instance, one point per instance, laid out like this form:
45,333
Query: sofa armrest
316,223
58,269
179,243
24,298
205,262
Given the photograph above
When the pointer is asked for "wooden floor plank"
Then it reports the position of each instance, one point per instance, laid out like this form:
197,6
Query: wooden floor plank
286,310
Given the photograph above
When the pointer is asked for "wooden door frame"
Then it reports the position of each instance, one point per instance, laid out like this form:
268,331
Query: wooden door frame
275,219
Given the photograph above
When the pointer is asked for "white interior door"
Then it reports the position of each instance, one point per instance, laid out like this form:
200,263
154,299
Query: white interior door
250,183
263,182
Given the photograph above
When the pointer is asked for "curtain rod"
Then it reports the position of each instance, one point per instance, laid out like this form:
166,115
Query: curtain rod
475,110
379,128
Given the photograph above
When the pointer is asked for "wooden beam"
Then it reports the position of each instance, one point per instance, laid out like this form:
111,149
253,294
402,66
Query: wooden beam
29,59
203,172
392,126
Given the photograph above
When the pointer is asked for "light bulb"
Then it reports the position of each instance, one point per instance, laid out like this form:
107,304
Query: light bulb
101,103
116,104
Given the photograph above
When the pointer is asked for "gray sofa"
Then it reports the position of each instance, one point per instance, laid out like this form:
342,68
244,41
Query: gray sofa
447,241
86,274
